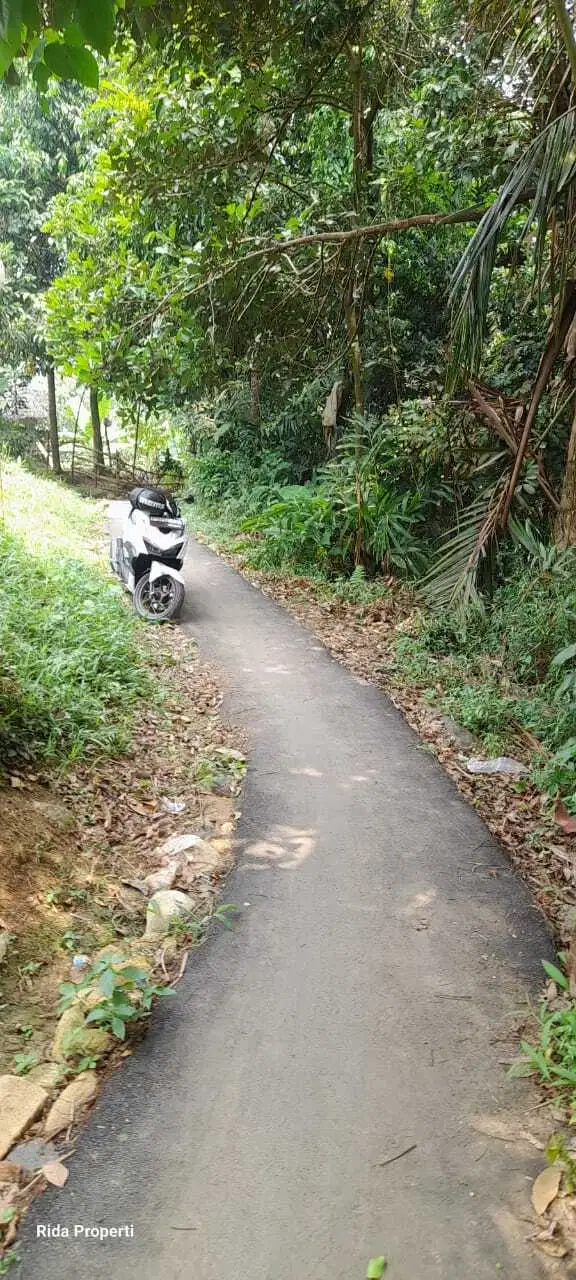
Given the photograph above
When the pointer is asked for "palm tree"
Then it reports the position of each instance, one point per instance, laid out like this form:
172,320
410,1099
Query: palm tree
538,47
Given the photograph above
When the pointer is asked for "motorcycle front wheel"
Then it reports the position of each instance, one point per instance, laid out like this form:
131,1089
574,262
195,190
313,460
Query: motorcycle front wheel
160,600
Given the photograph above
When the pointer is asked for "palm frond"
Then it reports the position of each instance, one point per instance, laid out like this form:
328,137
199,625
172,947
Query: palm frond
451,583
547,168
528,42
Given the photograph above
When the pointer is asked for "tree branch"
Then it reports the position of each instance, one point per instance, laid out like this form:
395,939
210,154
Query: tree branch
354,234
547,362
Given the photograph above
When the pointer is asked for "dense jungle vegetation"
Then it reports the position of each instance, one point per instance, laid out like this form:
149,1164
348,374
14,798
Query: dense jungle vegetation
324,255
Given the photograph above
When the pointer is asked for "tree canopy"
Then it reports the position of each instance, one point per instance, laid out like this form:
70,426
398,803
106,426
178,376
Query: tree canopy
281,203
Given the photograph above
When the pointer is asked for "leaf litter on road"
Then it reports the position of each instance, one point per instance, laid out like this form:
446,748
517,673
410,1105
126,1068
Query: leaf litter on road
546,1188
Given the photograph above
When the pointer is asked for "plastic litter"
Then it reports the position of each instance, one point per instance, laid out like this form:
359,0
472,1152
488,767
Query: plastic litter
501,764
80,962
173,806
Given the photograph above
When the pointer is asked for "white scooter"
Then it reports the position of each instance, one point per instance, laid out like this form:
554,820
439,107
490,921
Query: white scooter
147,553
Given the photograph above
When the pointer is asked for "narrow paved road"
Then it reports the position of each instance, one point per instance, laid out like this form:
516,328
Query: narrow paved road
360,1008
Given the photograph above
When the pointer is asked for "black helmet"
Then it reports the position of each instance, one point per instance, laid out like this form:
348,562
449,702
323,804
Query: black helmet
154,501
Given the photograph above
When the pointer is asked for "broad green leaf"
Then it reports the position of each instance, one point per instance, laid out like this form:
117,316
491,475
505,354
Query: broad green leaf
122,1009
96,18
70,62
30,13
74,34
10,17
565,655
9,48
62,13
100,1014
376,1268
107,982
119,1028
553,972
41,76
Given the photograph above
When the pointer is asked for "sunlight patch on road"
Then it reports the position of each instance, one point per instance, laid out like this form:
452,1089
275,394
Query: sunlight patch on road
286,849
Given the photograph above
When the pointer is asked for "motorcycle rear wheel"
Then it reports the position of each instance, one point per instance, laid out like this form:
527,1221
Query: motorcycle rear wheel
159,601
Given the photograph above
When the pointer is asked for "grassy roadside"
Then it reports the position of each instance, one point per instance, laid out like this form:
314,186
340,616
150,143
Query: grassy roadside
70,669
111,752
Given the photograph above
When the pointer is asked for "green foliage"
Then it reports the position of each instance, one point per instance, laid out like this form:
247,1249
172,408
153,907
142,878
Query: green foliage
358,588
125,993
553,1057
16,437
55,40
23,1062
331,527
496,671
557,775
556,975
567,658
548,166
70,671
9,1260
300,528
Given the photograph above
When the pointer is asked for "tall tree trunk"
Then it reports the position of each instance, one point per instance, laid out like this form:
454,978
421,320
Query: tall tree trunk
566,523
255,395
354,286
96,429
105,423
53,421
352,324
136,434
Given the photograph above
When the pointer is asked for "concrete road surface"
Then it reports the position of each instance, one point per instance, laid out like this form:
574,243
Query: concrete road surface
360,1008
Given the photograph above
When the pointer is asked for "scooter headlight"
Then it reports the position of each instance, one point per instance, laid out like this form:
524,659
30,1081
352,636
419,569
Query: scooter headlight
171,552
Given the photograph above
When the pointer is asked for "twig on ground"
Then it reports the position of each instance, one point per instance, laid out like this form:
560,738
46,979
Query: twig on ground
400,1156
182,969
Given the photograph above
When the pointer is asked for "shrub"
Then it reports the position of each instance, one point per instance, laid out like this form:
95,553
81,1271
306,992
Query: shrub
300,528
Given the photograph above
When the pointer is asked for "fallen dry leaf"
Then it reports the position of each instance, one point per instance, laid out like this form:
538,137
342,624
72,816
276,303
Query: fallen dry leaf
546,1188
552,1248
505,1129
56,1173
564,819
143,809
9,1171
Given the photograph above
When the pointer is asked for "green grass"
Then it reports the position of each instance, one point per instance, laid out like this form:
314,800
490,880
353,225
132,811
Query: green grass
221,527
551,1056
49,517
496,673
70,670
